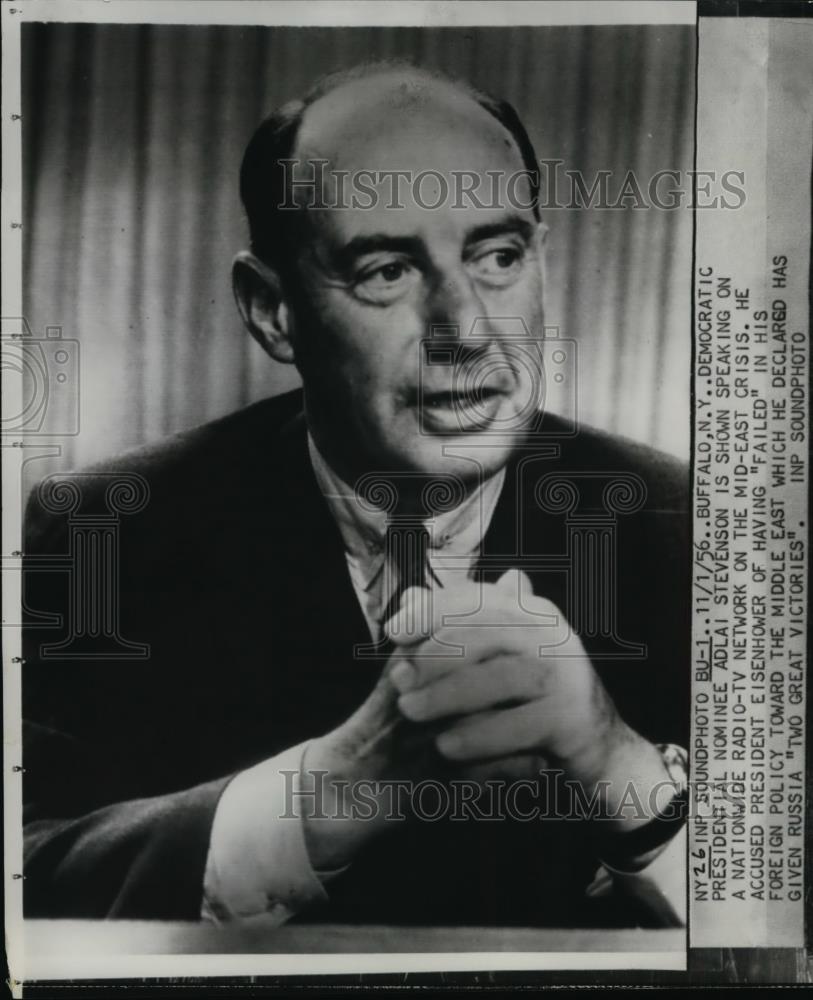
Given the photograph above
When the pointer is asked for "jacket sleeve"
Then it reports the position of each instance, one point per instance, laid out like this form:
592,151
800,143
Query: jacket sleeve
98,841
140,858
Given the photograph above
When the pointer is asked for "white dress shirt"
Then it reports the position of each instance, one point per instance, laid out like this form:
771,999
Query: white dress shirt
454,538
257,861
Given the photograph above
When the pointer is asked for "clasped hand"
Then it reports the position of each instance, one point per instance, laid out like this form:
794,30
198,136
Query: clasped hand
502,679
491,677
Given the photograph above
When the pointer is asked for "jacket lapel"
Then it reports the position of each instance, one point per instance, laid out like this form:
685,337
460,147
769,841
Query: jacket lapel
318,621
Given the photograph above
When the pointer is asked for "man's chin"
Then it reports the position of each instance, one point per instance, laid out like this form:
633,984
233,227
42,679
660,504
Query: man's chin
469,457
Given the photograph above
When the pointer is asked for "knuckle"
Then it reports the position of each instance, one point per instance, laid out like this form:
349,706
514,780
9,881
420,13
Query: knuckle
548,607
538,680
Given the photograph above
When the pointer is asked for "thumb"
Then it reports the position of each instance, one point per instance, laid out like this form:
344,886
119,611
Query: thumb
516,582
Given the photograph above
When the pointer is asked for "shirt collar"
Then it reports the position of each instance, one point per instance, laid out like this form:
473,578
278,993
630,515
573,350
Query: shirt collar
455,532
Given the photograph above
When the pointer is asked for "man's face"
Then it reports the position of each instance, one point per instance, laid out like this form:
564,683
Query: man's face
380,290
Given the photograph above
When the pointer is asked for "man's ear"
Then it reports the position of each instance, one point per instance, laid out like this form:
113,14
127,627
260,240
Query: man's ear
258,291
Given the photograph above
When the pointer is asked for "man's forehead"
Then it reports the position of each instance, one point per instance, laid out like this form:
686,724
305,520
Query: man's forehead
404,121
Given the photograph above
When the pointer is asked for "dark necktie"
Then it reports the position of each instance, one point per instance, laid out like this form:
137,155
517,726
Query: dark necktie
406,550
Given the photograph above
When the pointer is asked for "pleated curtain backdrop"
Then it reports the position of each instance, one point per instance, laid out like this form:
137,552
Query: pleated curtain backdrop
133,137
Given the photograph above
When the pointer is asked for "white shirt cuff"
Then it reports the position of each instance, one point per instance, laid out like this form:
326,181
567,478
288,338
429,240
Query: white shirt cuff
257,860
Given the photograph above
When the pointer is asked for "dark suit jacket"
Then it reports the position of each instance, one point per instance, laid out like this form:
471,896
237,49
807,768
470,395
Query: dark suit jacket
234,574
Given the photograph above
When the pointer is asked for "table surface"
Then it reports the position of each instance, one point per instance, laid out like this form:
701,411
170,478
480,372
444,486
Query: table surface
55,937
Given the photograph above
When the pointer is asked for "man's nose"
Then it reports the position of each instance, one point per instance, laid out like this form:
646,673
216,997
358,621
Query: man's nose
458,313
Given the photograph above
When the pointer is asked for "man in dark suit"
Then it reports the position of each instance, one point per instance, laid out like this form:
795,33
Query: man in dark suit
404,573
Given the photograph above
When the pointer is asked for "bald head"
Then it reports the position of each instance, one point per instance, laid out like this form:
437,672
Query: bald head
385,120
372,117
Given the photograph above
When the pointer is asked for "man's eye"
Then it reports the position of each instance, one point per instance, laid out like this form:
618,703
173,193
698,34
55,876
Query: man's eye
385,282
499,266
387,274
392,272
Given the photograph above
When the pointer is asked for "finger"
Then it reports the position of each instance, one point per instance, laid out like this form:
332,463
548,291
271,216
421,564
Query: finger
411,673
511,633
500,627
422,611
429,661
501,681
453,648
507,602
508,620
495,734
503,769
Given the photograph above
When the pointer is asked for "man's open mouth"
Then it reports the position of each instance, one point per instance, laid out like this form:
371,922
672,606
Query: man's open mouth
459,409
457,397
